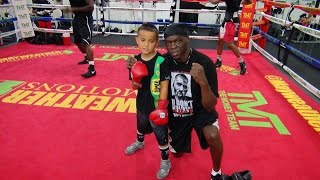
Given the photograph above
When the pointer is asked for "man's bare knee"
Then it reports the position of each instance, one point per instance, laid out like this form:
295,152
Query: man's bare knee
212,135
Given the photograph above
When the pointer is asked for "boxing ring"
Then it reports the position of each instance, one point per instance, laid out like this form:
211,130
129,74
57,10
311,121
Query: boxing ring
56,125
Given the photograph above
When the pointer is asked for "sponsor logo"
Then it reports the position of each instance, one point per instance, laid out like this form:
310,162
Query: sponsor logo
309,114
243,110
68,96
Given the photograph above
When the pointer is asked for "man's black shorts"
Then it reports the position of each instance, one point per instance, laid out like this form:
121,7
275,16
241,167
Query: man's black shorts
180,131
82,28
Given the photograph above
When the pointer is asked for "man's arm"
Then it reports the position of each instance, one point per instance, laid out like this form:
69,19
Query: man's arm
88,8
164,88
208,100
215,1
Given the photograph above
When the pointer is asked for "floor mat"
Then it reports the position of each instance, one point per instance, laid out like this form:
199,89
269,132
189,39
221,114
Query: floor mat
56,125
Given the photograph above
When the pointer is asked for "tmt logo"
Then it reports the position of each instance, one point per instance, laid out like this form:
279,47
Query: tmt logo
7,86
246,114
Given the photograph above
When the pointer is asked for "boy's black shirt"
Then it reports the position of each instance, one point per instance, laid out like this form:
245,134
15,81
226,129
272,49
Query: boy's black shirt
145,100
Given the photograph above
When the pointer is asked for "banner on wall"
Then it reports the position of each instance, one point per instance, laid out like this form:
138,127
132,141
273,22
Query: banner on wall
23,18
246,20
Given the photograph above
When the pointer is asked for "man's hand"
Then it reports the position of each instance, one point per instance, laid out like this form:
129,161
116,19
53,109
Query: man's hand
246,2
198,74
130,62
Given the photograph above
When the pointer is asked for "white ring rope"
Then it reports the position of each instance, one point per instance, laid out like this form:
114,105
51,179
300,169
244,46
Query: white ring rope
307,30
9,33
201,11
134,9
177,10
48,6
6,6
52,30
295,76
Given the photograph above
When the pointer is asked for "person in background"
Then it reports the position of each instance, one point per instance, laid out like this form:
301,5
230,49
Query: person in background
228,31
82,31
42,12
305,20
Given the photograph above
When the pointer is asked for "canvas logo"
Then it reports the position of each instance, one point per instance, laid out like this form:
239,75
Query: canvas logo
7,86
71,96
113,57
242,111
230,70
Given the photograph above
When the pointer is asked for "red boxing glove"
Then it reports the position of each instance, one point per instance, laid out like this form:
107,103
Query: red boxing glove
138,71
159,116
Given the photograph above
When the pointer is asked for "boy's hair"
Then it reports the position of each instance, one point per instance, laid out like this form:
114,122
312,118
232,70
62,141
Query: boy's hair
148,27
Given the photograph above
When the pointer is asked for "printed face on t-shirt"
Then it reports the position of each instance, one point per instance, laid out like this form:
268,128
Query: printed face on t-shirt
181,97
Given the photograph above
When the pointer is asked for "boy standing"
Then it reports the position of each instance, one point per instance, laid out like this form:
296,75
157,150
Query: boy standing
150,75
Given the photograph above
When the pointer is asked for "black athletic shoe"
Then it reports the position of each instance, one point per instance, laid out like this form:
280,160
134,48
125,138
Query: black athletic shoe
220,177
89,74
85,61
242,175
218,63
243,68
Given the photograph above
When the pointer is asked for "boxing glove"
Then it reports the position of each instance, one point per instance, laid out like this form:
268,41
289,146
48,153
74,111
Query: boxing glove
138,71
159,116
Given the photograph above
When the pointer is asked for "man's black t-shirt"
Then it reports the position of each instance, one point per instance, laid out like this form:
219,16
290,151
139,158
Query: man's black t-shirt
185,93
79,3
145,100
233,5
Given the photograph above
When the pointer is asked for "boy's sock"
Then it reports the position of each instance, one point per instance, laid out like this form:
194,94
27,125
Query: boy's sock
140,137
164,152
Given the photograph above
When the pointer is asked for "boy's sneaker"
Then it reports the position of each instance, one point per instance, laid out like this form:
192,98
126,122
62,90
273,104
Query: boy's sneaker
89,73
243,68
85,61
134,147
164,170
218,63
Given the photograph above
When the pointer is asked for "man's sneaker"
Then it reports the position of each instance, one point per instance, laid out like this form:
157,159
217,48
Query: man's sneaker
85,61
218,63
242,175
243,68
216,177
89,74
220,177
164,170
134,147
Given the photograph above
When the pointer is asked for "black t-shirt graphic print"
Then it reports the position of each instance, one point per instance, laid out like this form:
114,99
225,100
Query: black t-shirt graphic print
181,96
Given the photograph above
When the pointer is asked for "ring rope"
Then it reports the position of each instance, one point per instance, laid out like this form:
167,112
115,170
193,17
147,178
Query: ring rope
307,30
9,33
308,59
295,76
162,23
